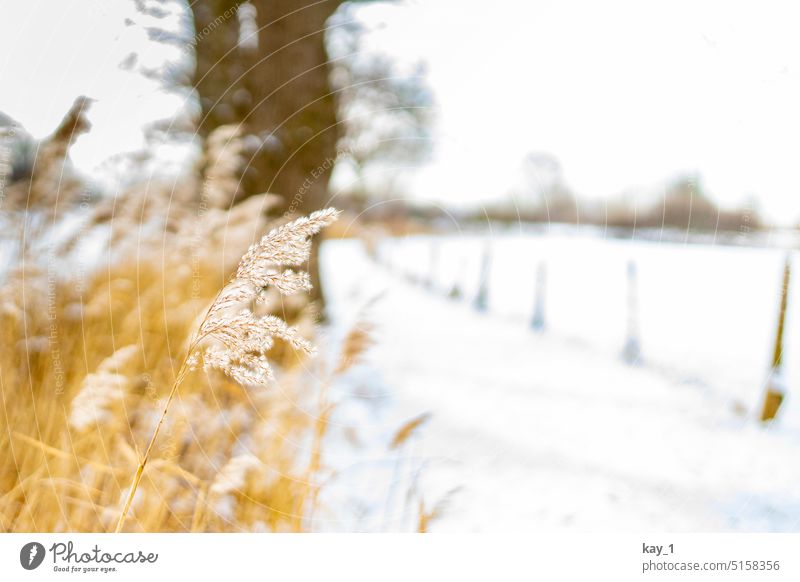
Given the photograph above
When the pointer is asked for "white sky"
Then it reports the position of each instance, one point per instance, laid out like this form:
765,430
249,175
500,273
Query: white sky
623,93
52,51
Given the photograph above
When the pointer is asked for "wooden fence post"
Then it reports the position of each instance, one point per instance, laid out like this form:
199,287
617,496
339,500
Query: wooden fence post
773,397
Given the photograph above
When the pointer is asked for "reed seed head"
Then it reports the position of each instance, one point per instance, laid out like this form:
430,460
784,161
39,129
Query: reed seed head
234,339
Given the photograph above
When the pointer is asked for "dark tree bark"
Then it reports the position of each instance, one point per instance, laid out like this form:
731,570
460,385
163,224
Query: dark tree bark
281,94
293,100
220,68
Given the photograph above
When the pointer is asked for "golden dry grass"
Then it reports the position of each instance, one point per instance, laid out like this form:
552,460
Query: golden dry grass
84,372
87,361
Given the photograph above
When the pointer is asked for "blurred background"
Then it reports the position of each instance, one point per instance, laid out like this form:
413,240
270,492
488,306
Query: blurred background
560,295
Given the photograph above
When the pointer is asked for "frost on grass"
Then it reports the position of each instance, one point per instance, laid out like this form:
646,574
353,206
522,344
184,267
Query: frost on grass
235,340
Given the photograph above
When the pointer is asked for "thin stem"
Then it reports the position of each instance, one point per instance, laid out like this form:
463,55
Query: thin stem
140,469
184,369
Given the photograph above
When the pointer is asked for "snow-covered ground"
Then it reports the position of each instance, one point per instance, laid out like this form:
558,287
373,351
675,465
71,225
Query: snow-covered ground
553,431
707,313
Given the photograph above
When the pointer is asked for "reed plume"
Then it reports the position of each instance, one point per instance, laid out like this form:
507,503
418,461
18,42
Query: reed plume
231,337
101,389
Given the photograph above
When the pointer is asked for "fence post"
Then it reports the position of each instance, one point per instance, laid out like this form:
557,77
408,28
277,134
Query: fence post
632,351
455,291
537,323
773,397
482,298
430,283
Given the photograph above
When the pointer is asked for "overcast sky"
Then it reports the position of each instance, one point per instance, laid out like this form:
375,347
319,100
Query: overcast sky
625,94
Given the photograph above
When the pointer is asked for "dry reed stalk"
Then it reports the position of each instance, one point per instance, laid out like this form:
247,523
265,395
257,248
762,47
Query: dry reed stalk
199,513
62,455
310,494
357,341
401,437
408,429
232,338
427,516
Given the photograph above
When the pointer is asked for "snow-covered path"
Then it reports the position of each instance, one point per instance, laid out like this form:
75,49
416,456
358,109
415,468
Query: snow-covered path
539,433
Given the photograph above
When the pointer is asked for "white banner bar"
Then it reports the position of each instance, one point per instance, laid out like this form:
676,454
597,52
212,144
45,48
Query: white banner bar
406,557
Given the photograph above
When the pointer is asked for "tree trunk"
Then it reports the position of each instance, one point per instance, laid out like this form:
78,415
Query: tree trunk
280,92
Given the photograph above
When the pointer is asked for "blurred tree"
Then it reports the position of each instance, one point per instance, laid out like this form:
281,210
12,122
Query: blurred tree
687,206
17,151
546,190
39,173
264,65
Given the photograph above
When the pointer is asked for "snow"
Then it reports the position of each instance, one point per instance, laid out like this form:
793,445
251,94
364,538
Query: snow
553,431
707,313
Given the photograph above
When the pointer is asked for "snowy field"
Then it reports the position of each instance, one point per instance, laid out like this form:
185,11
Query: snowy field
706,314
553,431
